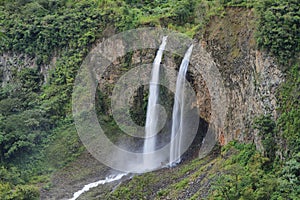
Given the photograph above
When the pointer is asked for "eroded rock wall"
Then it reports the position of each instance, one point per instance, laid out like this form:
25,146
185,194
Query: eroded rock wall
250,76
11,63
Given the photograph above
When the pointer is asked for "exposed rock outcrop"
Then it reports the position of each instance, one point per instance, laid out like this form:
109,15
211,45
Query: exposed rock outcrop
251,77
11,63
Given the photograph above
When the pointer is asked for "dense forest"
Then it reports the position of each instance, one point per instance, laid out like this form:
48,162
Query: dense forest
37,132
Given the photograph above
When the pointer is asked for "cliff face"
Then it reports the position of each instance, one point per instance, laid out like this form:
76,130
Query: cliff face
11,63
250,77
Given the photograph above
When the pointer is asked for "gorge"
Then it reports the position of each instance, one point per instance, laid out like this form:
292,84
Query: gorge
242,95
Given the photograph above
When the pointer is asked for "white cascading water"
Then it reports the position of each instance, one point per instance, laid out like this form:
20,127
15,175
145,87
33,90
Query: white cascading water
178,107
152,109
95,184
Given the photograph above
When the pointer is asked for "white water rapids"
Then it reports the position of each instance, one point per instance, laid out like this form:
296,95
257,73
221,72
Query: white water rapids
87,187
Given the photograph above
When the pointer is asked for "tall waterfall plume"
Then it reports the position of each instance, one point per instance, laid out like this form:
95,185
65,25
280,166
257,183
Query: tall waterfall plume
178,109
152,110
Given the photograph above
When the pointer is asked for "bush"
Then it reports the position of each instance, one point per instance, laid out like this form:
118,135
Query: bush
25,192
266,130
289,121
279,28
242,176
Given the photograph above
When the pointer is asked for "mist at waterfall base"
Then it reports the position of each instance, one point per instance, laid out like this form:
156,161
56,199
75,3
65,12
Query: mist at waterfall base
164,136
153,117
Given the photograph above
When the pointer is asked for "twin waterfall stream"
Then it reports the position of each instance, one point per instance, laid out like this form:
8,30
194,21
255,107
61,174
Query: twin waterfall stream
178,108
152,118
152,110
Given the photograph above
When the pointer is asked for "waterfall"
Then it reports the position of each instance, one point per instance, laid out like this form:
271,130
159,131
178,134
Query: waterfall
152,109
178,109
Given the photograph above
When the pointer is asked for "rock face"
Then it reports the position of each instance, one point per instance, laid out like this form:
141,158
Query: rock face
11,63
143,60
250,77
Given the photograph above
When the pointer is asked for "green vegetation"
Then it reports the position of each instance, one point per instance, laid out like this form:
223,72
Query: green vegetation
251,175
279,28
266,128
244,175
36,127
289,121
20,192
238,172
172,183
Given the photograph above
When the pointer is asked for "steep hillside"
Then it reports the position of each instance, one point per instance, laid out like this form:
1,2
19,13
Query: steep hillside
254,45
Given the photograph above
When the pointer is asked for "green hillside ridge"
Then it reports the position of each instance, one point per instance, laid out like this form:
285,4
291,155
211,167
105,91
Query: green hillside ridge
38,139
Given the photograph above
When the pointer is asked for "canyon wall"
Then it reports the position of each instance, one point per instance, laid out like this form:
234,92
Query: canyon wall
250,77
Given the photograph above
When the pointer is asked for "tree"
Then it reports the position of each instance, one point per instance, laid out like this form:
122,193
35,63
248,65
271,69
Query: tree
266,127
279,28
